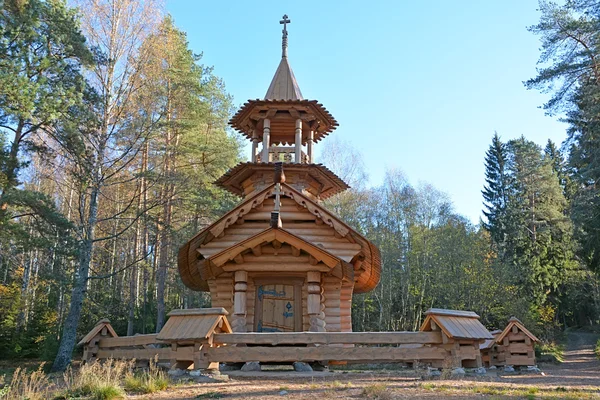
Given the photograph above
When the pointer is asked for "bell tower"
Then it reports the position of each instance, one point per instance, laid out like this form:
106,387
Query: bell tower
283,127
280,261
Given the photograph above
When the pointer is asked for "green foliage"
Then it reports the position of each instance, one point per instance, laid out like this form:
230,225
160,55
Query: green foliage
147,381
42,50
550,352
495,191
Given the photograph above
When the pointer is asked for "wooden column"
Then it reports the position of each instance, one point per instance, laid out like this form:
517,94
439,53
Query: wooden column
314,304
238,320
254,146
266,140
298,147
309,147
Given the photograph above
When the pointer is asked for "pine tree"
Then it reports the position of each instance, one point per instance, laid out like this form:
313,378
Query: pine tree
42,51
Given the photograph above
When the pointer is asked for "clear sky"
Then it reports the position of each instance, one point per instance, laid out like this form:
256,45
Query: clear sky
419,86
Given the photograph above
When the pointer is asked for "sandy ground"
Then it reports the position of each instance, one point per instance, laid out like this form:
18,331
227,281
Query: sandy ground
577,377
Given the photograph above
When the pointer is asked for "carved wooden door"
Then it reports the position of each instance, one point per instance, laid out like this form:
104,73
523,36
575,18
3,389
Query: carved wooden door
278,308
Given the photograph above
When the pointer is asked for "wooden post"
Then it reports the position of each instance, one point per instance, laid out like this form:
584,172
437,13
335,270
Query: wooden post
238,321
309,147
254,146
266,140
314,305
298,148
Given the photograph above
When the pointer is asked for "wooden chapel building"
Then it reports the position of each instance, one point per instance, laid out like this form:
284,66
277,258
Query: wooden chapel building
280,261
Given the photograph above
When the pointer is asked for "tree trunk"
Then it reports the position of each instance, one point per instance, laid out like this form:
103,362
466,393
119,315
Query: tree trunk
69,335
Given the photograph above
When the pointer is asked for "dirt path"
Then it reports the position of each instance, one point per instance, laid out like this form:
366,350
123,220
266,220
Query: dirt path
580,368
577,377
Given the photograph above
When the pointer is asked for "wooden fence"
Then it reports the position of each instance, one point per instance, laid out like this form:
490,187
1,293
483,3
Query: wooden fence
213,343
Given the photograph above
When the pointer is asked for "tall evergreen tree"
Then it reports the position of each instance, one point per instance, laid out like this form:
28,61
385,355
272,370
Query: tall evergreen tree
41,53
495,191
538,227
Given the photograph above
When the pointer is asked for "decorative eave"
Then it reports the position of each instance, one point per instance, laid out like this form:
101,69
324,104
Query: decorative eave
331,183
366,266
515,322
249,117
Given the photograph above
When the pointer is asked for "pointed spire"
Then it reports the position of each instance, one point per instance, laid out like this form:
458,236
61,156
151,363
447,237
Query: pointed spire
284,85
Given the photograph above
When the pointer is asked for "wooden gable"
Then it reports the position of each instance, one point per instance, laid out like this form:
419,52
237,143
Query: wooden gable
103,328
301,217
519,327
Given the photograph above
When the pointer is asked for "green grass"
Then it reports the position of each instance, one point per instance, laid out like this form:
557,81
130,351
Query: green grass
107,392
150,381
597,349
377,391
550,352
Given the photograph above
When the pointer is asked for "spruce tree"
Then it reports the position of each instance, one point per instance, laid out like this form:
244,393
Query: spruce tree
495,191
538,228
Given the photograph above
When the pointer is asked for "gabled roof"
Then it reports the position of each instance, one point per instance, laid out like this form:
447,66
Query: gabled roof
331,183
270,235
515,322
489,343
367,267
456,324
284,85
96,330
194,324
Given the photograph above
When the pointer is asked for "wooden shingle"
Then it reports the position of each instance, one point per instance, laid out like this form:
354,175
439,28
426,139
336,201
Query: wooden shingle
195,324
456,324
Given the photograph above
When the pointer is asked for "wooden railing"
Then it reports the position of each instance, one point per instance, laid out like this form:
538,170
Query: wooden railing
284,154
400,347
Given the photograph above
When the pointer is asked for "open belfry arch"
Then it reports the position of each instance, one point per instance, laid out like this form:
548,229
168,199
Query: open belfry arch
279,261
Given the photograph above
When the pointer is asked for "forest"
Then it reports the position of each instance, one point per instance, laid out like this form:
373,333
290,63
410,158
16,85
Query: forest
112,131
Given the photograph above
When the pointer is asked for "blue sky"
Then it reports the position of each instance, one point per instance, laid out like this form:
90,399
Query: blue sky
418,86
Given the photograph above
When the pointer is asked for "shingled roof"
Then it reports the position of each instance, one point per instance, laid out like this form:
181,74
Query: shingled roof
284,85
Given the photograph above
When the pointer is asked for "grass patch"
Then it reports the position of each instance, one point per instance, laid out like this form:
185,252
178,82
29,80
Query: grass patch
377,391
97,380
149,381
337,385
597,349
31,386
550,352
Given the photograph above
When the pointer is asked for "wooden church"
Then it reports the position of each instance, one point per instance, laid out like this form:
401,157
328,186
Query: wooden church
280,261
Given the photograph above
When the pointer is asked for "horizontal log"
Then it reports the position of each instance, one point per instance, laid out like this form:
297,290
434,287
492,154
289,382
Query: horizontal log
271,258
164,354
276,267
329,338
123,341
322,353
513,337
288,216
519,348
520,360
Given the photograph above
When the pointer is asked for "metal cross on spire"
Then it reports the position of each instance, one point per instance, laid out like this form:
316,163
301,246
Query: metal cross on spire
284,42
